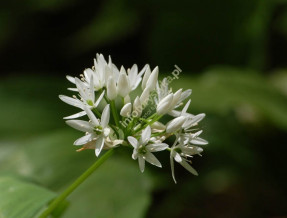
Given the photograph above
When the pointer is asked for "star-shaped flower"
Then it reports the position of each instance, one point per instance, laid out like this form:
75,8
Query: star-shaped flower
143,149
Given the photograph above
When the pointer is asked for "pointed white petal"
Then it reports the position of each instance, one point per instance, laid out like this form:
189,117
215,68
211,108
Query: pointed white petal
185,95
175,124
146,76
164,105
80,125
71,101
123,86
137,107
92,116
141,163
172,166
149,157
71,79
157,147
111,88
152,80
105,116
185,107
81,88
144,96
177,157
77,115
83,140
135,154
99,145
145,135
188,167
100,98
198,141
133,141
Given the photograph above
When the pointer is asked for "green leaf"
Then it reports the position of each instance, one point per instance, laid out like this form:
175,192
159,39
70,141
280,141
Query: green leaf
20,199
252,97
116,189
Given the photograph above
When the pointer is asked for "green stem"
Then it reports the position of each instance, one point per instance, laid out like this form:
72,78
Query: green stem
56,202
115,114
156,118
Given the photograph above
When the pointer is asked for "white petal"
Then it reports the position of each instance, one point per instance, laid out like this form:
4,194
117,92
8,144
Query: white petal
152,80
137,107
164,105
135,154
172,166
83,140
99,145
175,124
185,107
141,163
105,116
149,157
146,76
198,141
92,116
71,101
158,126
133,141
177,157
80,125
157,147
188,167
144,96
194,120
145,135
81,88
71,79
126,110
77,115
100,98
111,88
185,95
175,100
123,86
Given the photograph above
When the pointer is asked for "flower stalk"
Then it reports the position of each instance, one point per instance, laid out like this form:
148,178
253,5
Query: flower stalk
57,201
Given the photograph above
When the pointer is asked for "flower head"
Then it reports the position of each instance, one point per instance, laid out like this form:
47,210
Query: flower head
131,107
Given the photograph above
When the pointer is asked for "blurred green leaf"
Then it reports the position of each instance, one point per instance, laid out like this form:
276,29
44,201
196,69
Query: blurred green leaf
20,199
252,97
52,161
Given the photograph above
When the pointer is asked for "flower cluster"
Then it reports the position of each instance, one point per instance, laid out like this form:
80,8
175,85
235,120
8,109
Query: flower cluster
103,94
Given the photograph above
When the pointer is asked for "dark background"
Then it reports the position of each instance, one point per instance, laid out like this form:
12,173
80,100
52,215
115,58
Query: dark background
233,57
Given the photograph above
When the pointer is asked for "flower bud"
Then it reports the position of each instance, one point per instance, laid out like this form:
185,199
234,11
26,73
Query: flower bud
126,110
111,88
164,105
152,80
176,97
123,87
146,76
144,96
137,108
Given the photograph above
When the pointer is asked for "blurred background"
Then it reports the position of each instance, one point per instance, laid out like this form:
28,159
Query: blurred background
233,56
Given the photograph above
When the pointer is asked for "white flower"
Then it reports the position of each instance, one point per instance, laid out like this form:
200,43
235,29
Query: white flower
87,98
143,150
123,85
180,153
135,77
96,131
